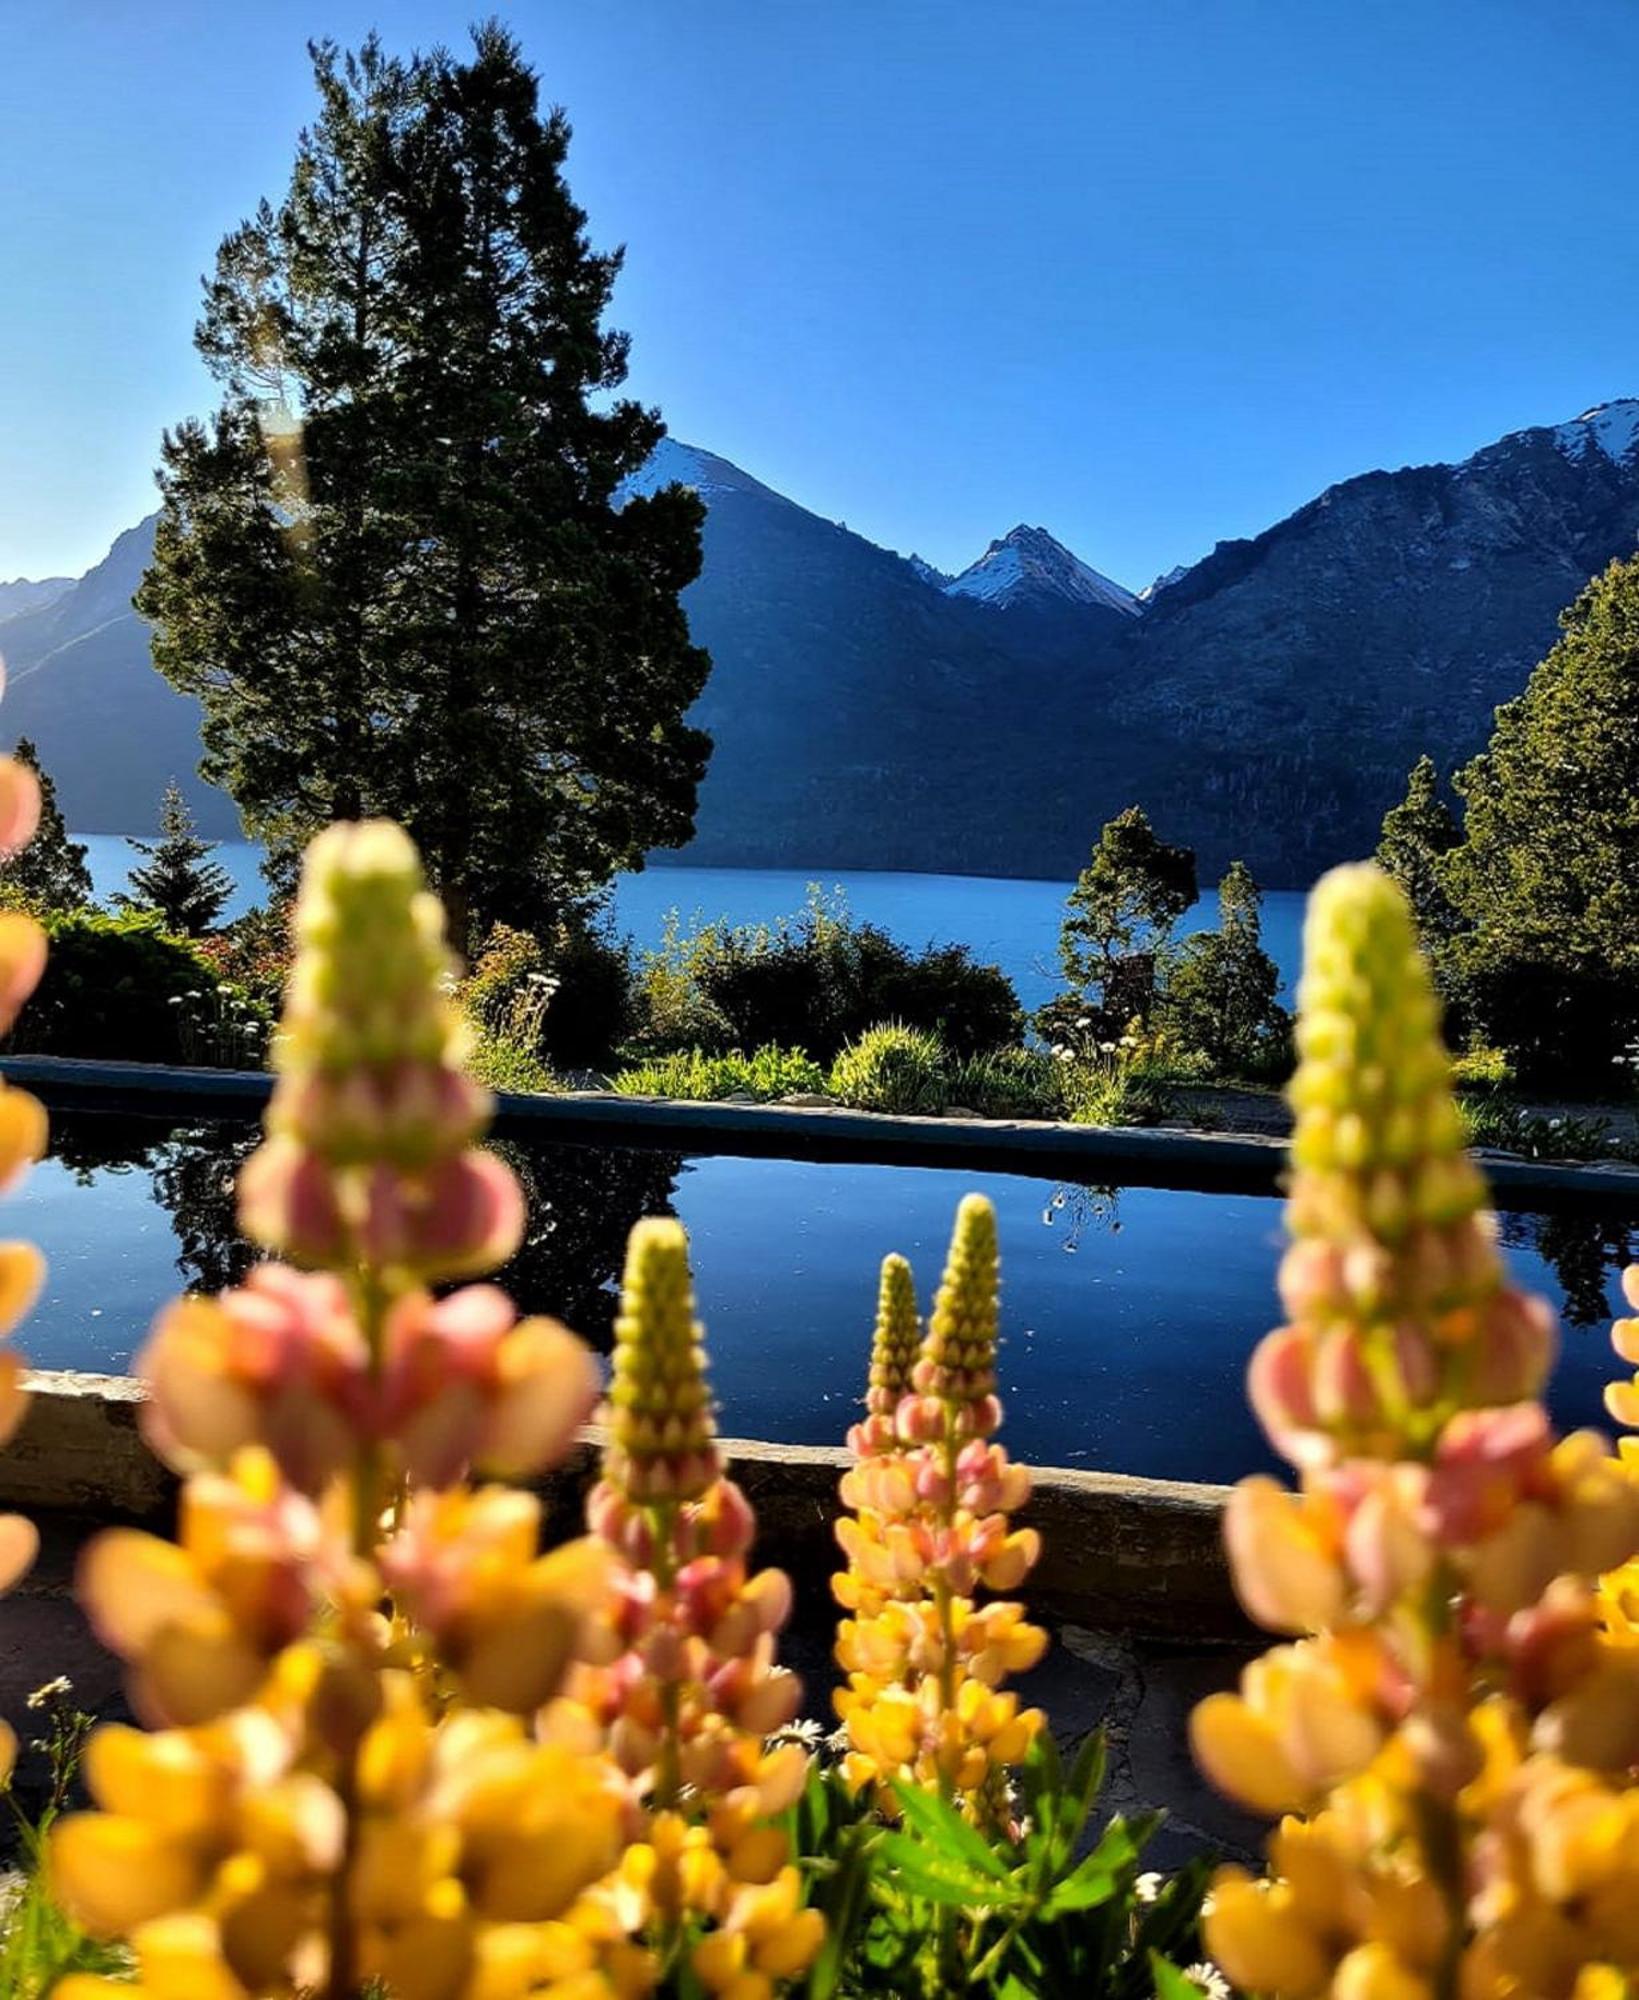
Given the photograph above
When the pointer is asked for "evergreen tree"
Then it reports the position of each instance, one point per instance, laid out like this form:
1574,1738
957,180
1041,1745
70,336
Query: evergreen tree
181,882
393,568
1220,988
1546,881
1121,914
1418,834
51,871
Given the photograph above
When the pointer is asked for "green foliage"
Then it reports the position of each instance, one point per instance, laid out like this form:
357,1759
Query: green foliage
180,882
500,1062
1482,1068
1546,881
1127,1082
938,1905
1009,1083
39,1945
51,872
566,1001
1120,916
391,566
1506,1127
893,1067
1219,990
816,981
117,986
1418,835
768,1072
253,953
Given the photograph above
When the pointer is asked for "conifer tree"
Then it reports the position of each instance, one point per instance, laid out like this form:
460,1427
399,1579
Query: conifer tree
1221,986
51,871
1546,880
181,881
1121,913
394,568
1418,834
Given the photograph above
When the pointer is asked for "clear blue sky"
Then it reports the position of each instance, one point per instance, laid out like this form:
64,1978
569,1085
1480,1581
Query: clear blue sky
1149,272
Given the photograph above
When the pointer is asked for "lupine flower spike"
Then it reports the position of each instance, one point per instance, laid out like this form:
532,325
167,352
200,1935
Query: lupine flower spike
927,1528
1450,1735
345,1643
22,1140
689,1689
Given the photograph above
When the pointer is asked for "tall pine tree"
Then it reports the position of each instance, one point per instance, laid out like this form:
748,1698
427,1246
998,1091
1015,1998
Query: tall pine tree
393,568
180,880
51,872
1119,918
1221,986
1546,881
1418,834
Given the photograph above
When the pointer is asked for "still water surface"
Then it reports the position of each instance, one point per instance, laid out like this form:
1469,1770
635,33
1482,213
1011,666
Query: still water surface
1128,1316
1008,923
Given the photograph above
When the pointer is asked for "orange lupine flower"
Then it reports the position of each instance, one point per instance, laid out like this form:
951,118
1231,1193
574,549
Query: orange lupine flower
930,1496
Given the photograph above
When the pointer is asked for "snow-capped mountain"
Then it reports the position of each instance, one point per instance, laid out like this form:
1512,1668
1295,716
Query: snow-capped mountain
1028,566
673,463
868,711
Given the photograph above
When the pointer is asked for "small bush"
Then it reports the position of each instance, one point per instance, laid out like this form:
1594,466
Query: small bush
1506,1127
566,1000
119,987
501,1063
253,953
817,981
766,1073
1010,1083
893,1067
1482,1068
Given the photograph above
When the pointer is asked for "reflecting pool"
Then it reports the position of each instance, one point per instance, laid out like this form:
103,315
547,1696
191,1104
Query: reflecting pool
1128,1313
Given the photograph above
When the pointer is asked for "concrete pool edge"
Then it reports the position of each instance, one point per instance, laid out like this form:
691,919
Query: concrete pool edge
1119,1553
1129,1156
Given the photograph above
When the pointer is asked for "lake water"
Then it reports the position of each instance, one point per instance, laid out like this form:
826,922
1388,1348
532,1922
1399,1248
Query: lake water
1128,1315
1008,923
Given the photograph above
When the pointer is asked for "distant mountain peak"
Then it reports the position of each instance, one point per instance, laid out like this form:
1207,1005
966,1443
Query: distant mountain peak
1152,591
24,593
1030,566
673,463
1611,428
940,579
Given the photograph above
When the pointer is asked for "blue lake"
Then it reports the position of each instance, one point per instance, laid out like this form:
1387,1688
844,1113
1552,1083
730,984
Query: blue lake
1128,1315
1008,923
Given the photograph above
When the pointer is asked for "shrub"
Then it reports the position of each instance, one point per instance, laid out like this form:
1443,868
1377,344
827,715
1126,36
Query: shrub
817,981
893,1067
1482,1067
1010,1083
253,952
690,1073
119,987
566,1000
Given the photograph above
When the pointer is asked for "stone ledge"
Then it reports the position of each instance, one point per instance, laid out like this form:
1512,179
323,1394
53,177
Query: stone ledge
1119,1553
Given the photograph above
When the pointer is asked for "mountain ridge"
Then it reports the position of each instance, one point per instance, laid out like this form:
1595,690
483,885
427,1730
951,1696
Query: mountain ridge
868,711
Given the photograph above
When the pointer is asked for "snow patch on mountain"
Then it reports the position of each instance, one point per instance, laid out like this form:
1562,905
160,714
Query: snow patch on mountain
1028,564
1152,591
1612,428
673,463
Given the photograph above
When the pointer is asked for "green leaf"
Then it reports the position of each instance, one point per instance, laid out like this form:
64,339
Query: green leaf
944,1829
938,1878
1170,1983
1095,1880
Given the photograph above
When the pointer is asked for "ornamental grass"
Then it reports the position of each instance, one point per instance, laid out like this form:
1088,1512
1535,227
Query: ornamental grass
388,1747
